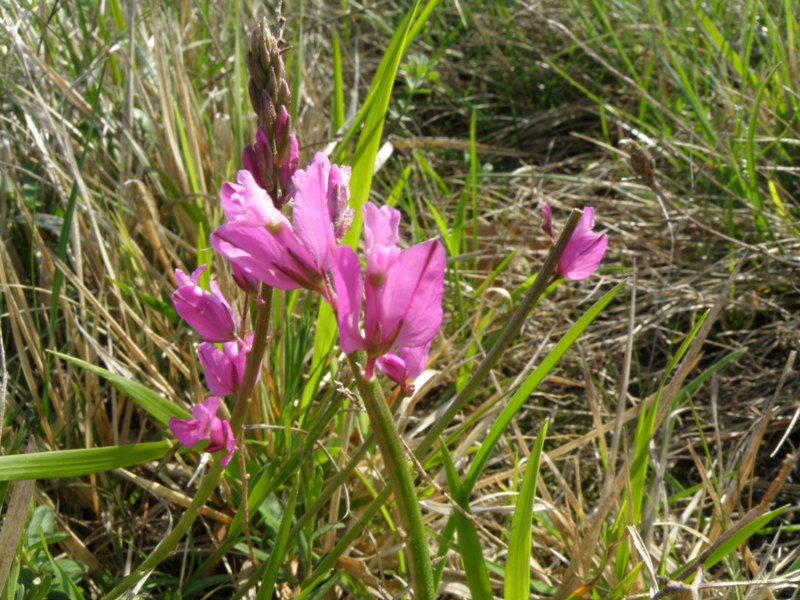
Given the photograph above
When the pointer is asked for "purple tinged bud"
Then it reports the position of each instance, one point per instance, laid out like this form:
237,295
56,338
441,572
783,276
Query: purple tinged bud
288,169
258,159
205,425
404,366
207,312
283,126
224,367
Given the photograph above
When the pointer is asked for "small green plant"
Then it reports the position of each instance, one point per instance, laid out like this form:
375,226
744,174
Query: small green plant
36,574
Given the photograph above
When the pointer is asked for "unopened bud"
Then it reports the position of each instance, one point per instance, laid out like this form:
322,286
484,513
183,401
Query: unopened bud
259,160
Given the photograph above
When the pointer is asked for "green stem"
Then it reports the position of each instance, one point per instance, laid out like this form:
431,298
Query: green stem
543,279
401,481
214,474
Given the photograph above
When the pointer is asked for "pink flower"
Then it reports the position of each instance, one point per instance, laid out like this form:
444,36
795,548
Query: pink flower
205,425
261,242
405,366
585,248
224,367
401,293
207,312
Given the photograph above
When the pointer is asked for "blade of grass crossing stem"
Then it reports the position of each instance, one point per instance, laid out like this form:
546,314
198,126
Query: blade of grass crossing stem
515,404
518,568
741,536
337,110
76,463
370,138
279,548
469,544
399,43
531,383
154,404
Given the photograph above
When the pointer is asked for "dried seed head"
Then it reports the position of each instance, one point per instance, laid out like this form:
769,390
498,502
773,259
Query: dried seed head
640,160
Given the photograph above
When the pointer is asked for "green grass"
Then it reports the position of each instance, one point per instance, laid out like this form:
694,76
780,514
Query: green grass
120,123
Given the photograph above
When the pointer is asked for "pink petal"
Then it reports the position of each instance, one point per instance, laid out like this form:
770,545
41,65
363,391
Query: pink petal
404,365
380,235
248,203
277,259
547,224
206,411
230,443
582,256
220,367
349,290
412,299
312,220
187,431
207,312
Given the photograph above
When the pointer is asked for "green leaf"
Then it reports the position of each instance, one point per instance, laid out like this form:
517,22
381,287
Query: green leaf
43,522
741,536
279,548
531,382
151,402
469,544
373,113
75,463
518,569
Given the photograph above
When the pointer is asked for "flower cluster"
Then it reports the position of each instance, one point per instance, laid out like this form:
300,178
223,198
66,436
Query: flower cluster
210,314
390,309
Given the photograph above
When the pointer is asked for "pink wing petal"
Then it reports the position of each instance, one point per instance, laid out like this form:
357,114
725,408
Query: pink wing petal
312,219
349,298
278,260
187,431
582,256
412,299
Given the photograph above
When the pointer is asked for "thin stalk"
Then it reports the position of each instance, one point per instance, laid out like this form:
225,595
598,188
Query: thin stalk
543,279
214,474
401,481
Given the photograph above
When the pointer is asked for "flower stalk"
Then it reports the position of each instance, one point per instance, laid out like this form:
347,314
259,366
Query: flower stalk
401,480
214,474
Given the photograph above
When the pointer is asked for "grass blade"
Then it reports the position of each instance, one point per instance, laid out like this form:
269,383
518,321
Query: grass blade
75,463
518,570
469,544
153,403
